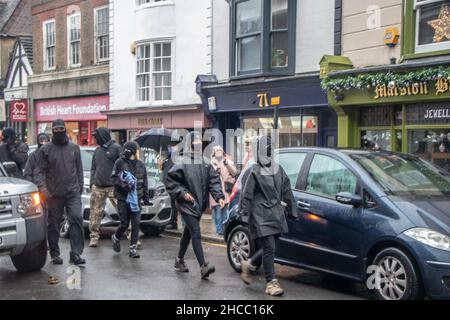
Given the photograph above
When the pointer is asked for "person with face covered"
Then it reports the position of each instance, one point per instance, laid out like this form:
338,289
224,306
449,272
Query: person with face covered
13,150
30,167
129,206
189,182
101,184
266,200
59,176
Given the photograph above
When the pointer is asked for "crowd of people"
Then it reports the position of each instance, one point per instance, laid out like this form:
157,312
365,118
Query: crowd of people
195,183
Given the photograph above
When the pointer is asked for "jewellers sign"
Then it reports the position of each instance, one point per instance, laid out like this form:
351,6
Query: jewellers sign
18,111
73,109
433,113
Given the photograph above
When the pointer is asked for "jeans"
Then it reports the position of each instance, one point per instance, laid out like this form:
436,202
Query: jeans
220,215
191,232
265,255
126,215
56,206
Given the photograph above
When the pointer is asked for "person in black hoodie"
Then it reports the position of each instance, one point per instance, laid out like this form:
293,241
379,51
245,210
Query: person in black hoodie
30,167
129,162
59,176
266,200
190,181
101,184
13,151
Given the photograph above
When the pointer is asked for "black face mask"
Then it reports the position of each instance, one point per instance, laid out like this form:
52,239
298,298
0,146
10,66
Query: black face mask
60,137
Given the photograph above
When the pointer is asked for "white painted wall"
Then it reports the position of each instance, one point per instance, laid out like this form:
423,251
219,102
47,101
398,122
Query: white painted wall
187,22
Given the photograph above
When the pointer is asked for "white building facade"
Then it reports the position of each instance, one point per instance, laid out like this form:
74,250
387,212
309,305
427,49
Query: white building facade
157,48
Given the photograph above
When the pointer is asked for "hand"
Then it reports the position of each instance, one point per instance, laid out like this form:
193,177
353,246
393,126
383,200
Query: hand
222,203
146,202
188,197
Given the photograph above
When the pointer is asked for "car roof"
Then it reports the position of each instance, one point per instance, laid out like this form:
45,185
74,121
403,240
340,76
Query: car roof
337,151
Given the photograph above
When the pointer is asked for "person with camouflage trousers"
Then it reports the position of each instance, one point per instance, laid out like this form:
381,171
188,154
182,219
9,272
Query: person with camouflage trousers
105,156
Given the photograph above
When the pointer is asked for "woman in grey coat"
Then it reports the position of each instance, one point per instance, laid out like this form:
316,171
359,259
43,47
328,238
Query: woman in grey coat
266,199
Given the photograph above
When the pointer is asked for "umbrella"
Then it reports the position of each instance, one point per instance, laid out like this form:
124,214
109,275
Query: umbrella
157,139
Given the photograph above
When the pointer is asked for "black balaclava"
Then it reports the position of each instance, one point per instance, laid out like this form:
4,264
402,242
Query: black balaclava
264,151
59,137
9,135
102,136
129,149
41,138
198,150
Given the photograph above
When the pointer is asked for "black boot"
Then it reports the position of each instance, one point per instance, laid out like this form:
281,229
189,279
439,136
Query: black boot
76,260
180,265
57,260
116,243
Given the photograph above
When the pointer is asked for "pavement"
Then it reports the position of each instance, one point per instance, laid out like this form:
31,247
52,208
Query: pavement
112,276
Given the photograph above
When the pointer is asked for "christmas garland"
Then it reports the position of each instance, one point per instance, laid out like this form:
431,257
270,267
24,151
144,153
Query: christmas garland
400,80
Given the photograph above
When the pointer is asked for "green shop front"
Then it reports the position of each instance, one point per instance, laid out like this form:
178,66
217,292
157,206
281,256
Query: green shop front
404,107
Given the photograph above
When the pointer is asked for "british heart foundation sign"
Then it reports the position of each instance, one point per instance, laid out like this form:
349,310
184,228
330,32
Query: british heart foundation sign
18,111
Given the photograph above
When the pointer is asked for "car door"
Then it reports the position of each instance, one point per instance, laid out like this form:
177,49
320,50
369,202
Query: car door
327,234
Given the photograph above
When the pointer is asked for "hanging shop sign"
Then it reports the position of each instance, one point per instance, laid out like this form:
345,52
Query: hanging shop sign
18,110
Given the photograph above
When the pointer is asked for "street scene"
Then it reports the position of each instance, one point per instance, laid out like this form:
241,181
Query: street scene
225,150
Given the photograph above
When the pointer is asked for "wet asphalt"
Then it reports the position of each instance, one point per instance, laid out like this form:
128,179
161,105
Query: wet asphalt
110,276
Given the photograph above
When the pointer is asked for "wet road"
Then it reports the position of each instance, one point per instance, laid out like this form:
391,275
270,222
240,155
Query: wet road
108,275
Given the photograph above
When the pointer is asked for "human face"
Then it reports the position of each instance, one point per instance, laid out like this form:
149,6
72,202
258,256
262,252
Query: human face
59,130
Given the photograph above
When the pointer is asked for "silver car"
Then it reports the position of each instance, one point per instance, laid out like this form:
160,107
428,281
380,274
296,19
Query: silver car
154,218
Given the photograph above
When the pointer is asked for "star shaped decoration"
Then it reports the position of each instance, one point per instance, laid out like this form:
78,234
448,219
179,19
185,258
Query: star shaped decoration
441,25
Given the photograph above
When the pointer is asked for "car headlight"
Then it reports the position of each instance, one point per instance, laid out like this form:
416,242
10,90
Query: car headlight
161,191
430,238
29,204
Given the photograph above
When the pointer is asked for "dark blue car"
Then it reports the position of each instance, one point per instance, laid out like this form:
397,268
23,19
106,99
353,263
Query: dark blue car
377,217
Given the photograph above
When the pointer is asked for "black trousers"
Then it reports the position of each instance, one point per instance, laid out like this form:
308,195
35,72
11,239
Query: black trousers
192,232
174,214
125,215
56,207
265,255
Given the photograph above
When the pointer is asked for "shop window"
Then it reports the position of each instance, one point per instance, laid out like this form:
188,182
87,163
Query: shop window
262,37
74,36
432,145
328,177
49,45
432,25
375,116
101,34
376,140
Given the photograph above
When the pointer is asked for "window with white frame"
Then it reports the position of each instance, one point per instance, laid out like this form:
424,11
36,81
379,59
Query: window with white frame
49,45
101,34
154,72
432,25
74,36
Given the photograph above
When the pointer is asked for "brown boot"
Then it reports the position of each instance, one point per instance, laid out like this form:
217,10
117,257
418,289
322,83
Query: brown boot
93,243
273,288
246,272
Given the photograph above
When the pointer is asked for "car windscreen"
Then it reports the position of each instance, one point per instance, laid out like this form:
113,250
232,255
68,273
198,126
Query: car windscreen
152,161
405,175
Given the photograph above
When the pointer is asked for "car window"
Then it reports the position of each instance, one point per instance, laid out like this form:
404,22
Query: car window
328,177
291,163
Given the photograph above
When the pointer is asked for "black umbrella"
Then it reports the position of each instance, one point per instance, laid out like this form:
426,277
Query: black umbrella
157,139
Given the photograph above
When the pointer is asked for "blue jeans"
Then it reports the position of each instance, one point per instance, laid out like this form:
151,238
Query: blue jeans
220,215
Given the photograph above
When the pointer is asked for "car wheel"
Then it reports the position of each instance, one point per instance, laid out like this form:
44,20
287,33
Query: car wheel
64,231
150,231
398,276
31,260
239,247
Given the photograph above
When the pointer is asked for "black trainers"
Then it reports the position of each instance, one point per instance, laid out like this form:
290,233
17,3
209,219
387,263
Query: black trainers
206,270
77,260
133,252
116,243
180,265
57,260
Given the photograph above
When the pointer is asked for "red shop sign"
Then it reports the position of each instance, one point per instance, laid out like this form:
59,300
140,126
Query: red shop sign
18,111
72,109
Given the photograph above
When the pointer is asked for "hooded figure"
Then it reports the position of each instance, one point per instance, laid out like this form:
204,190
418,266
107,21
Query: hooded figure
189,182
30,167
59,176
101,184
13,151
266,200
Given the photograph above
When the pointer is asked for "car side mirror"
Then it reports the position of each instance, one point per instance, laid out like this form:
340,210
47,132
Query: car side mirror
349,199
10,168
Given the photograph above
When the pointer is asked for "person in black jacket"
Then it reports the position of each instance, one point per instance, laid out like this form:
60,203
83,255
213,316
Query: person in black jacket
190,181
101,184
59,176
30,167
13,151
129,163
167,165
266,198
